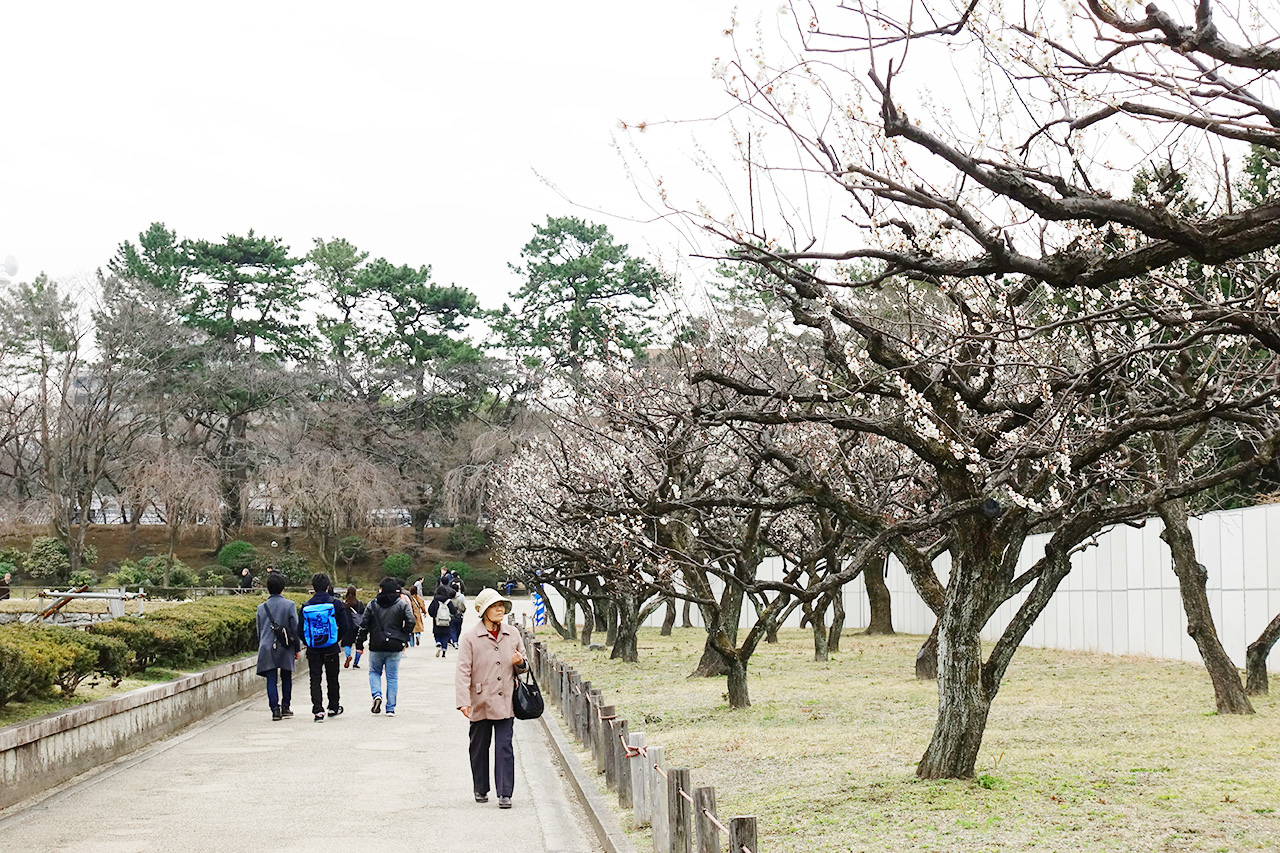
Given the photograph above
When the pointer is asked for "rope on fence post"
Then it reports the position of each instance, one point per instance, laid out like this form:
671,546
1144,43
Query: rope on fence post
706,827
622,764
607,714
637,758
658,818
680,811
742,834
611,751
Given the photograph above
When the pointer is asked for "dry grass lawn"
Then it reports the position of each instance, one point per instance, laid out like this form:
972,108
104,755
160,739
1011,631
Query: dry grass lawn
1082,752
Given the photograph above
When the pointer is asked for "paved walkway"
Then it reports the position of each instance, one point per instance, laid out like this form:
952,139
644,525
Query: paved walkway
357,782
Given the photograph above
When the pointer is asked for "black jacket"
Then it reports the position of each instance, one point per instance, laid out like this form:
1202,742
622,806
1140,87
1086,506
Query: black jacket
387,617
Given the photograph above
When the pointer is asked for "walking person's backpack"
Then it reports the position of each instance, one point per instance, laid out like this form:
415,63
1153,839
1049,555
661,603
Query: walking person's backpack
319,625
444,613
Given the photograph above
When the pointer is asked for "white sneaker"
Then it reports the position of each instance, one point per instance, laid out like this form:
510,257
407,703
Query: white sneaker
390,714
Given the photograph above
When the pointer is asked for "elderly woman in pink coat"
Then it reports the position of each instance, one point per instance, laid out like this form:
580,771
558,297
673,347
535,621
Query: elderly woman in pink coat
488,660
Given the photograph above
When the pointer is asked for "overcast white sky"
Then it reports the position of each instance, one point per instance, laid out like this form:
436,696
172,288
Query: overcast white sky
412,129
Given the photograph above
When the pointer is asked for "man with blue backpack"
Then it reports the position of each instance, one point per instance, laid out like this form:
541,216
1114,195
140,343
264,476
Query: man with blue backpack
325,620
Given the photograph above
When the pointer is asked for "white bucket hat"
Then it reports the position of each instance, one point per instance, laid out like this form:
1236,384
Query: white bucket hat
489,597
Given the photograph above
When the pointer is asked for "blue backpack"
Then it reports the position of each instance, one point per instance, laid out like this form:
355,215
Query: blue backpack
319,625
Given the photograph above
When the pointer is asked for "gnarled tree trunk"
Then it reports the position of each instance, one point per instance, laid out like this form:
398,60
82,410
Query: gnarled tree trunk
1255,662
927,657
669,620
878,597
837,621
1228,692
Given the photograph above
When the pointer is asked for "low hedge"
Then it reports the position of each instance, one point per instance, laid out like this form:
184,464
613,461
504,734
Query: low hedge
196,631
36,658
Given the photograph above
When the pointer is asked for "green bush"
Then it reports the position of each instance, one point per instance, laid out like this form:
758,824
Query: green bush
398,565
72,658
7,568
215,575
13,557
47,558
352,549
82,577
294,566
237,555
149,571
466,538
23,674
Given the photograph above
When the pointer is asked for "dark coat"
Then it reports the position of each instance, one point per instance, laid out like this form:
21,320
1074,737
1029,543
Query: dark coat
390,612
357,616
271,655
341,614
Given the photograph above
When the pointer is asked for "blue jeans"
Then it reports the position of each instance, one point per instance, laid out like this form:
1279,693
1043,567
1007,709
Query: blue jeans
286,688
390,661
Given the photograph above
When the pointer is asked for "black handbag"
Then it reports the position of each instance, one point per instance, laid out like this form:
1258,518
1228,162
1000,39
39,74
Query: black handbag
527,698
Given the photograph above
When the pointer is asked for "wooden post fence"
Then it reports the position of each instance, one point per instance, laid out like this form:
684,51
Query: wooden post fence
682,818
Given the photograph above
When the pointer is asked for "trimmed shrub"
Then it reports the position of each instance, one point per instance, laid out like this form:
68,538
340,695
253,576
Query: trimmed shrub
182,635
73,659
466,538
22,674
398,565
237,555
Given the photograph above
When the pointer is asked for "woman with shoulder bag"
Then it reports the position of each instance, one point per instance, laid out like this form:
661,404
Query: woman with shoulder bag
488,659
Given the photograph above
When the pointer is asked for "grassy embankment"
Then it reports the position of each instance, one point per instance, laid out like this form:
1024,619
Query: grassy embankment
116,542
1083,751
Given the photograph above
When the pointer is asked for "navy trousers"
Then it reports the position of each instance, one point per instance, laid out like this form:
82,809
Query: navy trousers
483,732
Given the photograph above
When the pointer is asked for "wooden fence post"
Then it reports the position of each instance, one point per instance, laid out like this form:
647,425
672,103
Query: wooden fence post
571,701
590,719
704,812
603,730
580,712
658,817
742,834
612,746
622,738
639,781
679,810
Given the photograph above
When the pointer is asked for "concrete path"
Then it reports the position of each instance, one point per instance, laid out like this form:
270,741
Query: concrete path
356,782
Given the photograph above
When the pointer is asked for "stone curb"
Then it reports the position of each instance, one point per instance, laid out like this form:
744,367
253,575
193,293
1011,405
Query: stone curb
602,817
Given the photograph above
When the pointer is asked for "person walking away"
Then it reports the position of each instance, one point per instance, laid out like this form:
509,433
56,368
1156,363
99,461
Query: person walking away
278,647
324,621
419,608
355,609
459,608
441,612
387,624
488,659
